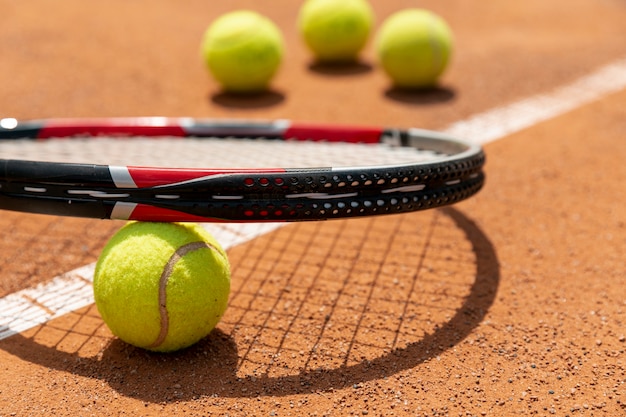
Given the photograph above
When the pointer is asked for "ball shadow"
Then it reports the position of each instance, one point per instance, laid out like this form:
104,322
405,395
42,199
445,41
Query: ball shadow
209,368
420,96
340,69
255,100
198,370
201,369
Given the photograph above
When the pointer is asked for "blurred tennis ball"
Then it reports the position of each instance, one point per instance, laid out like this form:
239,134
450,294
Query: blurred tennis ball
414,47
243,51
335,30
162,286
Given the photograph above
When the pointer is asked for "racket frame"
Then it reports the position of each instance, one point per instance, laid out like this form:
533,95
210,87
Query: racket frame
235,194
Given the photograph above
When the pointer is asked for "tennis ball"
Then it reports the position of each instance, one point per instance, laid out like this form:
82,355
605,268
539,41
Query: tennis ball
414,47
161,286
335,30
243,50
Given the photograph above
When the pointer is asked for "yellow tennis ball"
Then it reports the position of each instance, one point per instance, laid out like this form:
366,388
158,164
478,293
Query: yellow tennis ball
335,30
414,47
162,286
243,50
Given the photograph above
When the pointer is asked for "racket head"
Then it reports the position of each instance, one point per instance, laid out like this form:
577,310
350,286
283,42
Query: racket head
438,170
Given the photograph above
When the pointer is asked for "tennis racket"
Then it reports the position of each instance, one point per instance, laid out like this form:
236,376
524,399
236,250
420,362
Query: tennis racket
434,170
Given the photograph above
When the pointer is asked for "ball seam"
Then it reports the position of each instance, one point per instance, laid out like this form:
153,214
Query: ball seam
163,281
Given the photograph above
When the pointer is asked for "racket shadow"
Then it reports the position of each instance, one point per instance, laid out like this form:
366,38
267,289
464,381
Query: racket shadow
212,367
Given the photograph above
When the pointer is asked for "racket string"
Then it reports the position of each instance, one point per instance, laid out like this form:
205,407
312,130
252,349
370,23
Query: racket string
211,152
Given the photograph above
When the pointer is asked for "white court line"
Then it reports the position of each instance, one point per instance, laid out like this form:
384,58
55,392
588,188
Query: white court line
503,121
28,308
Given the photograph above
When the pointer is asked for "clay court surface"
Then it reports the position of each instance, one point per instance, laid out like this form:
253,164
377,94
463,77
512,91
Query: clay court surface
510,303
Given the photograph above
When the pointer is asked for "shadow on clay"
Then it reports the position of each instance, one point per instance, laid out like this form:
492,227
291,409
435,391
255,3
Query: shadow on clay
209,368
420,96
258,100
340,69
